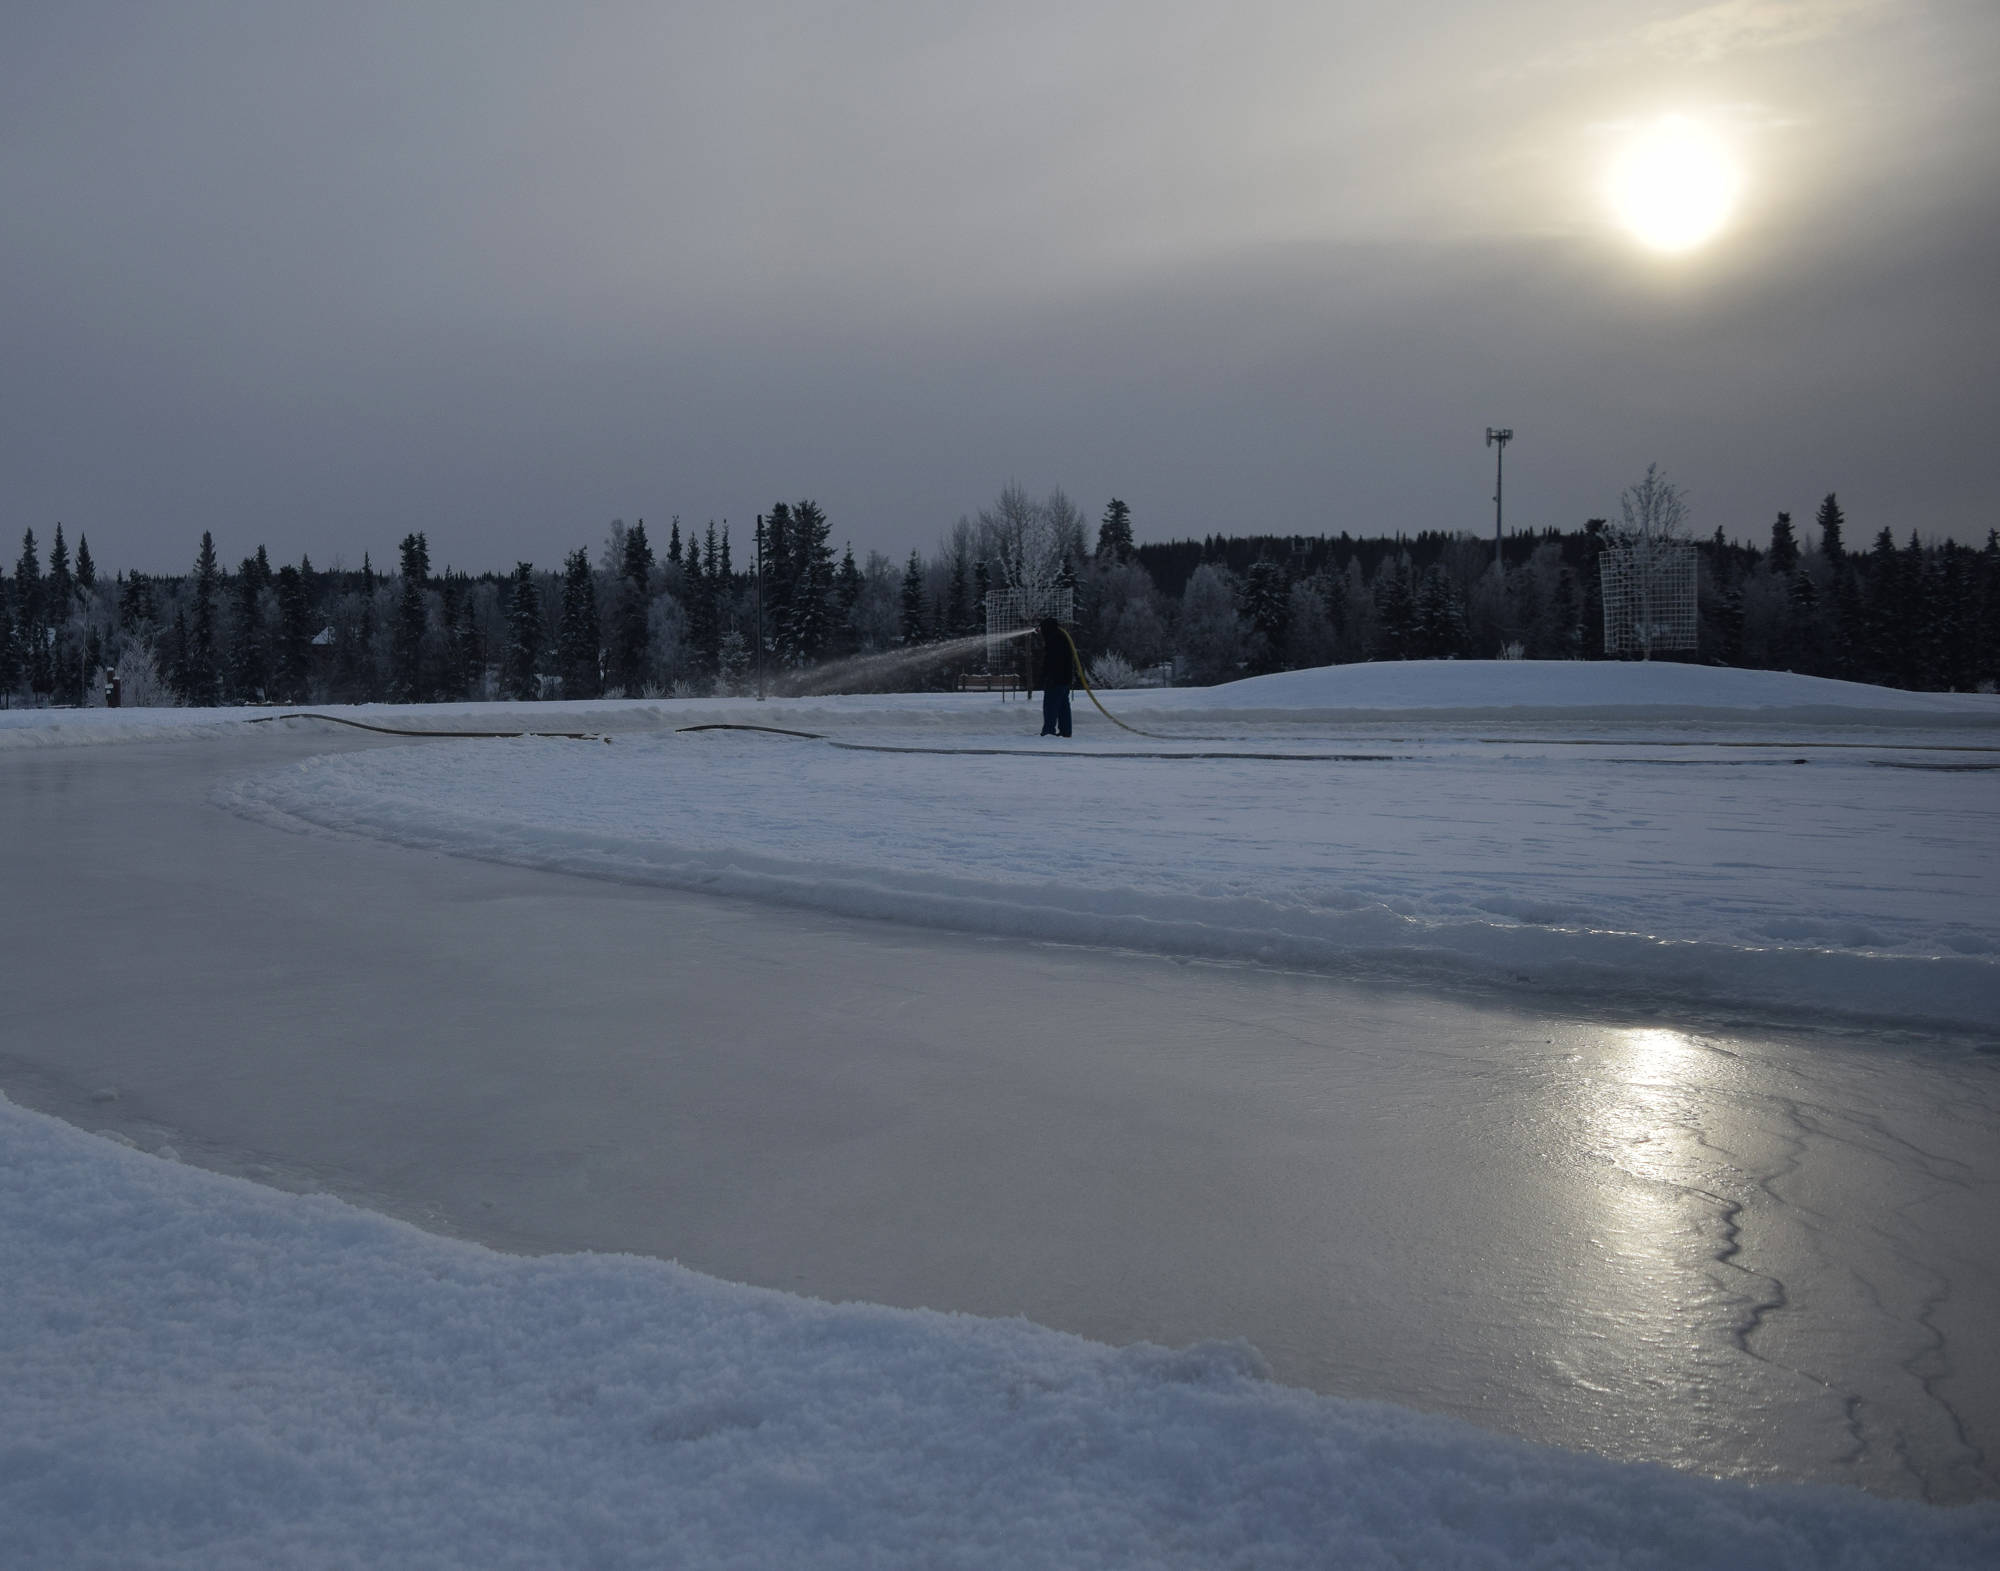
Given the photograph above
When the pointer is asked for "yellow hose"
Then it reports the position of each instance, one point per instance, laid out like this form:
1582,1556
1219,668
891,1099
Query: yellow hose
1076,664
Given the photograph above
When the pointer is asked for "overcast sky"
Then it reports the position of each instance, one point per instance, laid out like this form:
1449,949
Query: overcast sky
314,276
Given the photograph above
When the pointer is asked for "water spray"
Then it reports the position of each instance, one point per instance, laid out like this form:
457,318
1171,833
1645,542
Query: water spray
868,670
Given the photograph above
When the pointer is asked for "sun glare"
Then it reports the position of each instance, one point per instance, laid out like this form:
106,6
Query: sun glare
1674,184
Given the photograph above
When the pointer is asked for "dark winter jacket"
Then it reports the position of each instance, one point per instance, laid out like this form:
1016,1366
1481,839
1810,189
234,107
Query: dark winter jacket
1058,661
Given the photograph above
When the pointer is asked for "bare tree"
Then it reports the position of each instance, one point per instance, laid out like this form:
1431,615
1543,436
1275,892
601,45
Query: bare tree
1655,508
1647,572
1031,541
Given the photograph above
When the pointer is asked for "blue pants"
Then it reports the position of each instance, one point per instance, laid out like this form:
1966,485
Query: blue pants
1055,711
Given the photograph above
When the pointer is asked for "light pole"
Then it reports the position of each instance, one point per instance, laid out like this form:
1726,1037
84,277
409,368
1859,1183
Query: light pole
1498,436
760,608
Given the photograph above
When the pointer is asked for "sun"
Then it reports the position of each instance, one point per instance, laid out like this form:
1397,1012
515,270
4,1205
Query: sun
1674,184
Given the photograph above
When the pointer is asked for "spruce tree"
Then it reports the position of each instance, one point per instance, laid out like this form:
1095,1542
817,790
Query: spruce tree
406,642
702,632
59,597
809,616
10,648
91,664
577,640
1440,626
29,624
1784,547
956,621
1114,533
524,634
1267,609
86,570
180,675
1395,613
202,670
847,595
293,664
912,625
631,627
1805,637
1849,624
59,590
249,651
136,608
461,638
1830,521
1989,610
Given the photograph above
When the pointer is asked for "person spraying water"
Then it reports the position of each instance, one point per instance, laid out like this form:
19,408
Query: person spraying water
1059,675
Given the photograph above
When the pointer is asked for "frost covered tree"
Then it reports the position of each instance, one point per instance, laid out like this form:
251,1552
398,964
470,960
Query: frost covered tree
1310,637
1030,541
1211,638
1655,509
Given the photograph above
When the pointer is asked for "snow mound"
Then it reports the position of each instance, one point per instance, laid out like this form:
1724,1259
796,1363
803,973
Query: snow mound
1610,687
201,1373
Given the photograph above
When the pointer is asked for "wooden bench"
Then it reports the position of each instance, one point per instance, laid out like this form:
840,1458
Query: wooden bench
1001,682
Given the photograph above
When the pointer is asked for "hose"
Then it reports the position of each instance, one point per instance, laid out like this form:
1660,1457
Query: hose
363,725
1076,664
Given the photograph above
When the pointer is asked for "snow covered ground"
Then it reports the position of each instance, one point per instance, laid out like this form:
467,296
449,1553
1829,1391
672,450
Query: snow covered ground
202,1373
196,1371
1751,840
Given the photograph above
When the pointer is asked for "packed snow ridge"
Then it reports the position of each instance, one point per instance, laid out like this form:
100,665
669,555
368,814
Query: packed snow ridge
203,1373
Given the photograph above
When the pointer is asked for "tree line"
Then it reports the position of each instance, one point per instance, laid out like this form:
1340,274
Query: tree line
683,619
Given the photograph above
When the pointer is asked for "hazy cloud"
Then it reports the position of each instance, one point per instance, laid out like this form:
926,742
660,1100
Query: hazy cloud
318,276
1713,31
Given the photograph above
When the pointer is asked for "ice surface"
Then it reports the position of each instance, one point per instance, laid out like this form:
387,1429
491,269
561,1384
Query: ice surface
1766,1254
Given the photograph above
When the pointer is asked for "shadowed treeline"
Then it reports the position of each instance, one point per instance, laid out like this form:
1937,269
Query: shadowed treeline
684,619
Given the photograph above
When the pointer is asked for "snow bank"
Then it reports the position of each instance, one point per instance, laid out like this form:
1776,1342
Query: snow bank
199,1372
1436,692
1732,877
1565,685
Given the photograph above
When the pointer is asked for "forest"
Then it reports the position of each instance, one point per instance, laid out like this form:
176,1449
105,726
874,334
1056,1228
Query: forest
681,617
